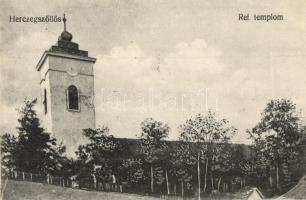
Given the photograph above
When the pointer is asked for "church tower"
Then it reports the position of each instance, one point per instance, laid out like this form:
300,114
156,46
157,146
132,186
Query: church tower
67,86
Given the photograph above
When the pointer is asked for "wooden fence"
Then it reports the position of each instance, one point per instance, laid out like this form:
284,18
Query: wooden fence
41,178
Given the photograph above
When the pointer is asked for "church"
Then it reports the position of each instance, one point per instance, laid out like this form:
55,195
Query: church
67,89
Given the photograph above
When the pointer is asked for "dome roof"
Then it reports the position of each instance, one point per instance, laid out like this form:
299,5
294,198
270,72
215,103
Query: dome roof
66,36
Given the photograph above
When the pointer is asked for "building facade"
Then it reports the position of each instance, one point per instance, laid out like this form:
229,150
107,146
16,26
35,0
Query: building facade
67,86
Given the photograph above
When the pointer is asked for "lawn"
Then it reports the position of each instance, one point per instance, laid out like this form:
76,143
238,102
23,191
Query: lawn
23,190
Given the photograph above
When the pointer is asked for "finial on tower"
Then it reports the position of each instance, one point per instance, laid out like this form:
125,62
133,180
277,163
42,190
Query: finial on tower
64,20
65,34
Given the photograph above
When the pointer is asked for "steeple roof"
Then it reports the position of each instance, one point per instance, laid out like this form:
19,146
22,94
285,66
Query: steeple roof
65,48
65,44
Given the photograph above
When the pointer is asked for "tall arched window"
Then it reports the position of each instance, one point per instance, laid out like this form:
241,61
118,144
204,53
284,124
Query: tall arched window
73,98
45,101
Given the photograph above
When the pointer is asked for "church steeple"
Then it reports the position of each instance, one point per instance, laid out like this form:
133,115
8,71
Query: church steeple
65,44
67,87
65,34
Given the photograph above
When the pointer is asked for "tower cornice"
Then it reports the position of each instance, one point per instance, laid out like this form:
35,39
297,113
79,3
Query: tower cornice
63,55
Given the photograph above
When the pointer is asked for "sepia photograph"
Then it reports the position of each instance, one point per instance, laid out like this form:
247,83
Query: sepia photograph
153,99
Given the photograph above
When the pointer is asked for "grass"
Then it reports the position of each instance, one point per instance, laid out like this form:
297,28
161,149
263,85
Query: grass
23,190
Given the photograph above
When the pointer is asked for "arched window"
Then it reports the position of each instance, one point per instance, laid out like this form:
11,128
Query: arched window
45,101
73,98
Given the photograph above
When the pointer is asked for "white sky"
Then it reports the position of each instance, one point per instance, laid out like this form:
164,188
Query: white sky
163,59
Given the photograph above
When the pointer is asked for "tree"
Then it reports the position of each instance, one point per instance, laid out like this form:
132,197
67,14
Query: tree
205,132
276,136
152,146
33,150
101,144
182,160
100,151
221,163
132,171
8,150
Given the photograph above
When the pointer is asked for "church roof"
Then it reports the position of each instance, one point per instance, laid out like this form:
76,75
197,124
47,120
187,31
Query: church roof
297,192
246,193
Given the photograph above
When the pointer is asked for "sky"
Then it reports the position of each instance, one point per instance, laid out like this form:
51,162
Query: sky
163,59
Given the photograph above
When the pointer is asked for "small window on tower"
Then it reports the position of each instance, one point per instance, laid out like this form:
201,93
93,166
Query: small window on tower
73,98
45,101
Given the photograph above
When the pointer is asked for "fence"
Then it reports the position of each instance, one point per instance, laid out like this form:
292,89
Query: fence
41,178
87,183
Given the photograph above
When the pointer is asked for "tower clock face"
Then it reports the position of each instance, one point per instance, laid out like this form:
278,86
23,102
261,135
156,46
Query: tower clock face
72,72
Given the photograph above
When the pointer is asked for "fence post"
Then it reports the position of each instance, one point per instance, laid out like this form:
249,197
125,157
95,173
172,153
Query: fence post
31,176
23,176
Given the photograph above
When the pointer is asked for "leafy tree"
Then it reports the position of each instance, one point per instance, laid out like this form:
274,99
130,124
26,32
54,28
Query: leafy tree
205,132
152,146
276,136
182,160
33,150
101,144
132,171
99,151
228,164
221,163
